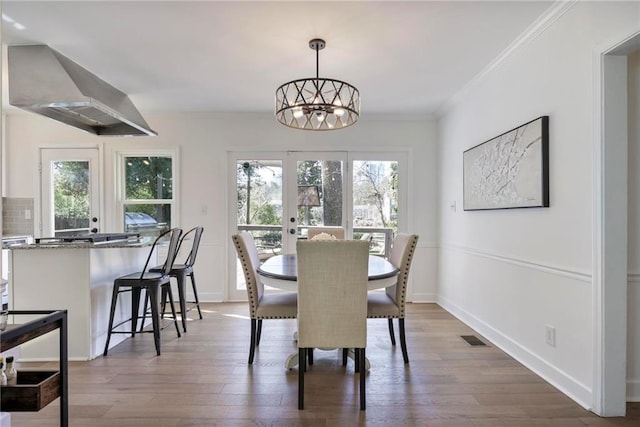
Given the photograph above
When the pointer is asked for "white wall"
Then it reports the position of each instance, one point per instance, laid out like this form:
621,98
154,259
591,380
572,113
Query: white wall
633,301
509,273
203,141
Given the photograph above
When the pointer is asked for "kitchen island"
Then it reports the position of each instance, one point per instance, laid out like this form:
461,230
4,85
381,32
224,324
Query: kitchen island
77,277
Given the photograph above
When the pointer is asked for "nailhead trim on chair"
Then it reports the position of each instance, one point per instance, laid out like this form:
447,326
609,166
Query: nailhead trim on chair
404,278
276,317
247,273
405,275
245,267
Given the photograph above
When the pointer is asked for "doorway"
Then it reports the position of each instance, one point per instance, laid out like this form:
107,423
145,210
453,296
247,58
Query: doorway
612,311
69,191
278,196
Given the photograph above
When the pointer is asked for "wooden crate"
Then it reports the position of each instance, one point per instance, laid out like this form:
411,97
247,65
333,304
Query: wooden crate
34,390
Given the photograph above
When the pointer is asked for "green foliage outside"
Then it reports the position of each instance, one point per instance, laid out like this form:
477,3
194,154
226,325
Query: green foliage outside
149,178
259,195
71,194
256,195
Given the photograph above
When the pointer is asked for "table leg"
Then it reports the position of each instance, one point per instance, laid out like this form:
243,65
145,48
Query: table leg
292,360
352,355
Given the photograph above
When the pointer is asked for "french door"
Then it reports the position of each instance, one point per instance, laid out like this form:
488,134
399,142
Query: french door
316,185
277,196
69,191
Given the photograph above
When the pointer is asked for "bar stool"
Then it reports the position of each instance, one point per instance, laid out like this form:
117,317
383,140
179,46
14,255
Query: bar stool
151,282
180,272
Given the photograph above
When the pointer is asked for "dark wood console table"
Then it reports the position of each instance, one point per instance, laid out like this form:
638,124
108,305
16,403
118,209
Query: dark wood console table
40,322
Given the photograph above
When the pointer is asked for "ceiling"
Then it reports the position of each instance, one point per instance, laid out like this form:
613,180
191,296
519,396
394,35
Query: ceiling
406,58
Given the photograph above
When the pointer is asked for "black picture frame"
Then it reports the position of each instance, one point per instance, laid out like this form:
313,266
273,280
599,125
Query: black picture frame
509,171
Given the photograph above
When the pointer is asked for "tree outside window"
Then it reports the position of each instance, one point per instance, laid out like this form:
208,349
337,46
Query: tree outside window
148,194
71,195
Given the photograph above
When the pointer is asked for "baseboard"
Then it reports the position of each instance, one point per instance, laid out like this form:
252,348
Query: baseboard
633,391
210,297
556,377
424,298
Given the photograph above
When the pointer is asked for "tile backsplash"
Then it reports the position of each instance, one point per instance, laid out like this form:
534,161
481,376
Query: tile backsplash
17,216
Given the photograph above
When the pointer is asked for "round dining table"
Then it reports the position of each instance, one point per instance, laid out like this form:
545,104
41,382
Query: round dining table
281,272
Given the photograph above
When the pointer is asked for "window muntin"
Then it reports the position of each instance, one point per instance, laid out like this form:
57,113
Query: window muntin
149,197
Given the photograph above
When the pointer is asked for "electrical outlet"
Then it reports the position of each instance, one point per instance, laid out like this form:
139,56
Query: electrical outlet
550,335
27,214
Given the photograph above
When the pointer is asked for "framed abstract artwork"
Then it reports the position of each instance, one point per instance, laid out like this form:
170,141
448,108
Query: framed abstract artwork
509,171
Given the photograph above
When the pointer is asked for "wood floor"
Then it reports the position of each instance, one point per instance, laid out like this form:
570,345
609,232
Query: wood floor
203,379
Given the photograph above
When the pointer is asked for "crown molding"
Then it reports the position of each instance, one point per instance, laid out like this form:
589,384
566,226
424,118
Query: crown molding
540,25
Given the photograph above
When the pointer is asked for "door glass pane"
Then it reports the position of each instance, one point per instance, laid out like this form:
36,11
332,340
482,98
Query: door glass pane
320,197
71,197
375,203
259,205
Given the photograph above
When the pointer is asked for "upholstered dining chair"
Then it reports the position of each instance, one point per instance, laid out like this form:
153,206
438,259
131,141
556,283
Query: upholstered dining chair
332,302
181,270
336,232
261,305
391,303
151,283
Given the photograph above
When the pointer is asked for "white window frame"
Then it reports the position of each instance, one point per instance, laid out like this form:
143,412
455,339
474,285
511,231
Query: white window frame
402,158
120,189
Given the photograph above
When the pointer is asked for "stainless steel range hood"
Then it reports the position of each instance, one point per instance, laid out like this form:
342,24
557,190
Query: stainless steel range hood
46,82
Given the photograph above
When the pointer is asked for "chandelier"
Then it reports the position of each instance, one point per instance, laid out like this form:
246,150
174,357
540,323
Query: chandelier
317,103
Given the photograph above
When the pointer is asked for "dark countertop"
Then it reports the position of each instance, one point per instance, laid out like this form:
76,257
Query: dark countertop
141,242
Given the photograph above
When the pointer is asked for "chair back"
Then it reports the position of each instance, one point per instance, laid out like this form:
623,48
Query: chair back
404,246
332,293
196,233
173,235
248,255
337,232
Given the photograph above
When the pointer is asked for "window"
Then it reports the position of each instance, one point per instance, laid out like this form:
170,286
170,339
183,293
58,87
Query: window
149,199
375,203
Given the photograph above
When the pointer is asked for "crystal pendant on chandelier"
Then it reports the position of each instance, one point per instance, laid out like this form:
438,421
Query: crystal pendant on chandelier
317,103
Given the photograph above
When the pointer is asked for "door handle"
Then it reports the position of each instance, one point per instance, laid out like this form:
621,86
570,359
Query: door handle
292,231
94,230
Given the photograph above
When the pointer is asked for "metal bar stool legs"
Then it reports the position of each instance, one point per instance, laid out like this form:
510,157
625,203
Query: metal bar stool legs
152,283
195,293
182,299
181,276
114,300
153,298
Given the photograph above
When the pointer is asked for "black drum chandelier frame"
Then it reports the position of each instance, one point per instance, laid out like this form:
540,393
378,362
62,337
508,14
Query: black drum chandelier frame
317,103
